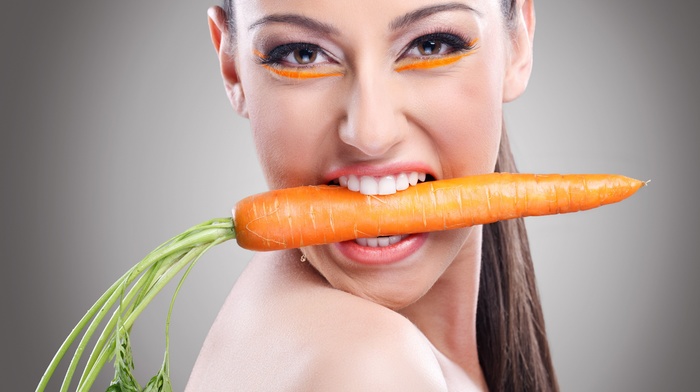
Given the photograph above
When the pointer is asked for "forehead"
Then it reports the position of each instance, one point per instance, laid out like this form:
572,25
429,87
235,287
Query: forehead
359,14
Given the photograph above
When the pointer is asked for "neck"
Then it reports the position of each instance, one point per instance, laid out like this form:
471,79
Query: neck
446,314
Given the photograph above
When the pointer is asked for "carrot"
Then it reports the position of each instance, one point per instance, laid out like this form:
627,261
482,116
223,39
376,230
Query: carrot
309,215
313,215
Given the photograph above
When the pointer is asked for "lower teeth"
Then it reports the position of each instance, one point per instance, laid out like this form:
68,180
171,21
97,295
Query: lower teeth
379,242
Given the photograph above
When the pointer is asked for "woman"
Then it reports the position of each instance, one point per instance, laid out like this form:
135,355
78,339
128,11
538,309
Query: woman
375,96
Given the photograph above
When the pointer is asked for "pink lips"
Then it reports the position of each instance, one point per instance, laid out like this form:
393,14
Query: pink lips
382,255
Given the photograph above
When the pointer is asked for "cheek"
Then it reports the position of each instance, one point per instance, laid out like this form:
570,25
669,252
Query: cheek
464,118
289,134
469,133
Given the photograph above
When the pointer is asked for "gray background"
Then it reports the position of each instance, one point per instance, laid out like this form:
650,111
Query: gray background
116,135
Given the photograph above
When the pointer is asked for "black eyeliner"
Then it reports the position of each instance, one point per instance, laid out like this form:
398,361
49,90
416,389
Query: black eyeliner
457,43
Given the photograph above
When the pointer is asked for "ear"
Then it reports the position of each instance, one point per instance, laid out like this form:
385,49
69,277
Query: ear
519,64
221,38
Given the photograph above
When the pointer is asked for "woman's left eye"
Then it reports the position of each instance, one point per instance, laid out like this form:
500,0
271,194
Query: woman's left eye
436,44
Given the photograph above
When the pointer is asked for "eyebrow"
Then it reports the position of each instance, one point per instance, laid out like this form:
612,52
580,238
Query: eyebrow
422,13
396,24
299,20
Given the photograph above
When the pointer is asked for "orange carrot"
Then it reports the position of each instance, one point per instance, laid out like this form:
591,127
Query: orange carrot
291,218
312,215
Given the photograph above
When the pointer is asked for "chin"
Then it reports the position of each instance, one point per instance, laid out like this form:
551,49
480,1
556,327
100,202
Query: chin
395,296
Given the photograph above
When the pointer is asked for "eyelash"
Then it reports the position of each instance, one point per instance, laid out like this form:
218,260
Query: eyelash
456,43
276,57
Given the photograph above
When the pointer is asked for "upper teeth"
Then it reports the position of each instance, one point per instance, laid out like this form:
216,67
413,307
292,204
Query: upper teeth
384,185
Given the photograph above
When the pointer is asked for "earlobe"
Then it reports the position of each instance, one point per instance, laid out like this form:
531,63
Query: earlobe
220,38
519,65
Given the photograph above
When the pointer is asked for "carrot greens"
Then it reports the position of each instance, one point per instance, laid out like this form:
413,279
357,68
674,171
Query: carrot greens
129,296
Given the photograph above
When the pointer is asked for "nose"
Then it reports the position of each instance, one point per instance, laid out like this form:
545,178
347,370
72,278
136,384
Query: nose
374,121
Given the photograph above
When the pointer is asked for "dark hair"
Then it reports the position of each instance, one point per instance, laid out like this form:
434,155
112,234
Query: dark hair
510,332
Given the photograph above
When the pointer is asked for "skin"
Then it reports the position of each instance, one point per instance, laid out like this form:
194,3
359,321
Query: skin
368,102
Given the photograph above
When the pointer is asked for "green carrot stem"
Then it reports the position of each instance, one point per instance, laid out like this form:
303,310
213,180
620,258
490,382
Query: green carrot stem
108,350
212,231
74,333
177,291
212,237
111,323
170,251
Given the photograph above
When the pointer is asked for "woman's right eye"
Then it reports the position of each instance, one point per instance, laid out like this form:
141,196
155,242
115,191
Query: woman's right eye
296,55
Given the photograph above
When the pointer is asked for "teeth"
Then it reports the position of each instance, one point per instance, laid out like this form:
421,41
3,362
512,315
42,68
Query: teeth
386,185
402,182
368,185
413,178
353,183
380,242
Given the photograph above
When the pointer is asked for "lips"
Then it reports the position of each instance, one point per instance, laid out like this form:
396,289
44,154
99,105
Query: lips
382,255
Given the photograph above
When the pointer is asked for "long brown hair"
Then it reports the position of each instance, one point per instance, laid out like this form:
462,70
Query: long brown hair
510,333
512,343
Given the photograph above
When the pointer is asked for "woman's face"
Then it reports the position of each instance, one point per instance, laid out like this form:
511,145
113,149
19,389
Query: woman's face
365,93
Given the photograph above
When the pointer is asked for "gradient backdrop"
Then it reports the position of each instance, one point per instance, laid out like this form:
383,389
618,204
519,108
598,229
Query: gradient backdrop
116,135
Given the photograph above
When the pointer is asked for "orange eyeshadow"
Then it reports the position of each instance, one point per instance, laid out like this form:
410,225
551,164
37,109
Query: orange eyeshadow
300,74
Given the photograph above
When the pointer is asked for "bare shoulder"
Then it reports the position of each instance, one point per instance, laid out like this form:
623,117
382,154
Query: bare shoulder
283,328
382,355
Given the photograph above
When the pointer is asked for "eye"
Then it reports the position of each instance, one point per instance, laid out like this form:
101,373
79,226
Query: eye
296,55
305,56
429,47
436,44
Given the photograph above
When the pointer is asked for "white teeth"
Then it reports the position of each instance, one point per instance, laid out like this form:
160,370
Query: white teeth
386,185
396,238
413,178
353,183
368,185
383,241
380,242
401,182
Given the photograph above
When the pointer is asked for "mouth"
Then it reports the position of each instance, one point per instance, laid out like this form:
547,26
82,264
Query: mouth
381,185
